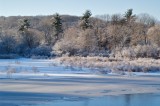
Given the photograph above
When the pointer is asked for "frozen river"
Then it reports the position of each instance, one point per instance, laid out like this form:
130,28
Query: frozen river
44,83
33,99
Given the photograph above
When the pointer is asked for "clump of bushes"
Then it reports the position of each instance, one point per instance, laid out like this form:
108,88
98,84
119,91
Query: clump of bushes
77,42
139,51
41,50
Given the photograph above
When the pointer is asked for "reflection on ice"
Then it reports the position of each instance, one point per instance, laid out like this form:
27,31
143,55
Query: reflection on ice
37,99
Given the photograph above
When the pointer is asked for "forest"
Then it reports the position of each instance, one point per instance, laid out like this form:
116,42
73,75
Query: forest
125,35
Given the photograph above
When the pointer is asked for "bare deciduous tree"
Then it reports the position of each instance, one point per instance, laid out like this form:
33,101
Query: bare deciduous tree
154,35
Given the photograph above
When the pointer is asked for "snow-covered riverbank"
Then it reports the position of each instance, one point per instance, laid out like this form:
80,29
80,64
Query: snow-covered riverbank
113,65
76,67
49,76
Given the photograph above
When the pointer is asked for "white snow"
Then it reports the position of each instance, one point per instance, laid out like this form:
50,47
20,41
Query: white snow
39,68
49,69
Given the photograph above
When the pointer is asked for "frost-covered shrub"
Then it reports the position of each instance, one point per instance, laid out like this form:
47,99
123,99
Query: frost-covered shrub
63,47
7,44
23,50
146,51
105,64
77,42
139,51
31,38
68,44
128,52
154,35
42,50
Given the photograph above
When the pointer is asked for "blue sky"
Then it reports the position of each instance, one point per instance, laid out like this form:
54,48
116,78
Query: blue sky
77,7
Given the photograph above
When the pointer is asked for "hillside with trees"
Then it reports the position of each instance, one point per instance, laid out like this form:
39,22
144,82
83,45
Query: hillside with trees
125,35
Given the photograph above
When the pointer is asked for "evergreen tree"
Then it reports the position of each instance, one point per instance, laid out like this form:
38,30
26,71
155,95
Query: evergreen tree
85,23
129,17
57,24
25,24
26,33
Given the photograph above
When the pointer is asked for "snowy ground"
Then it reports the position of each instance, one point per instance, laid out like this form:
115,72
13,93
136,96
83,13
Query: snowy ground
38,68
52,68
49,76
96,86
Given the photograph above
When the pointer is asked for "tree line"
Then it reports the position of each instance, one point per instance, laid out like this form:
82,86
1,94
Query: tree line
122,35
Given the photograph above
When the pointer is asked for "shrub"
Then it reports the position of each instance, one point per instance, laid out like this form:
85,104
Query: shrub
139,51
146,51
7,44
77,42
128,52
31,38
41,50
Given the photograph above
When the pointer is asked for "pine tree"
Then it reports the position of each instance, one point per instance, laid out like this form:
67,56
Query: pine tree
25,25
129,17
85,23
57,24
